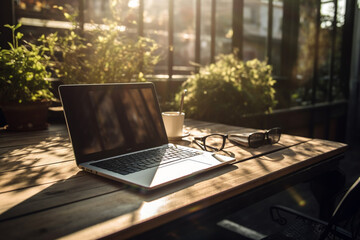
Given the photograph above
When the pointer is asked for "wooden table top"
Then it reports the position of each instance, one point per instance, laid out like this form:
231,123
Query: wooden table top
44,195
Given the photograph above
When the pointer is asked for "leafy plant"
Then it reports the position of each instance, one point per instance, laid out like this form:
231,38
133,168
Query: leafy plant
229,89
23,71
99,55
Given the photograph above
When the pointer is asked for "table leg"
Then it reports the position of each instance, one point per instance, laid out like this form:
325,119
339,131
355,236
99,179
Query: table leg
326,189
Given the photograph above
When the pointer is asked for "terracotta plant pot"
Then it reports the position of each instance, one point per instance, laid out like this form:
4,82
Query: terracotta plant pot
26,116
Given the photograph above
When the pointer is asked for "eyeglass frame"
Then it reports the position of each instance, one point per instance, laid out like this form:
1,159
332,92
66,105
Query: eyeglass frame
204,146
266,139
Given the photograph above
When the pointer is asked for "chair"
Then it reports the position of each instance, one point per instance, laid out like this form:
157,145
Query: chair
343,224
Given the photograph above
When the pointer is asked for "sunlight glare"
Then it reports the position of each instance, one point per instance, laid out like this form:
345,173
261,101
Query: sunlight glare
186,36
133,4
121,28
293,193
149,209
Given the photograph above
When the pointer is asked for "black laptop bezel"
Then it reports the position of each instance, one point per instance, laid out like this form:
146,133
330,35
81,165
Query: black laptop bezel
65,90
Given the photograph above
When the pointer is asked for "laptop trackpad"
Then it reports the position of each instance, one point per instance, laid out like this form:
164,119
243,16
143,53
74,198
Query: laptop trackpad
177,170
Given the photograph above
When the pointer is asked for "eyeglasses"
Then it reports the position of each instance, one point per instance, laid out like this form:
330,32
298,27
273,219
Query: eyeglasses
212,142
216,142
256,139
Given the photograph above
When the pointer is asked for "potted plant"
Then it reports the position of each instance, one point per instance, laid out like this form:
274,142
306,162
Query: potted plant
24,91
104,53
229,90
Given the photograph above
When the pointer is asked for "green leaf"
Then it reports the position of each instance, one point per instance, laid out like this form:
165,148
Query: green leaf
19,35
18,25
67,16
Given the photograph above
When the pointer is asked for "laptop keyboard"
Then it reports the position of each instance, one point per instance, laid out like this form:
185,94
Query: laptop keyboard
143,160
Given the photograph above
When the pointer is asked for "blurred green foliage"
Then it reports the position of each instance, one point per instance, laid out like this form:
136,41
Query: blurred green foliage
229,89
101,54
23,71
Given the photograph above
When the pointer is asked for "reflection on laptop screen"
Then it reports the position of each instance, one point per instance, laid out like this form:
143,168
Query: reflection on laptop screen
107,121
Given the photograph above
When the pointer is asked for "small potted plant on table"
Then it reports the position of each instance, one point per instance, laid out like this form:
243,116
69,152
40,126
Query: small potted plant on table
24,91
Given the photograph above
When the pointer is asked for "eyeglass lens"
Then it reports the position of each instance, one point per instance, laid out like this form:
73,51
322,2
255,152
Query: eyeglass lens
256,140
214,143
274,135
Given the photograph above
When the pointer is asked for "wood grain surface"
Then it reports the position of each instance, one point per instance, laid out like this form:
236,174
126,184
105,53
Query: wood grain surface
43,191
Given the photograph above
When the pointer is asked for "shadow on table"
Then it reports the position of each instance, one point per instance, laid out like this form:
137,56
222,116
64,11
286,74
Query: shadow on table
66,207
18,166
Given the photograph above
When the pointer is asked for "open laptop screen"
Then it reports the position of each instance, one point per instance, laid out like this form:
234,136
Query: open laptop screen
112,119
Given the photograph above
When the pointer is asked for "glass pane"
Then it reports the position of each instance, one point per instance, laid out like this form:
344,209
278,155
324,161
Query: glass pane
339,87
125,12
305,53
324,51
184,33
255,29
277,36
97,10
205,44
43,17
223,26
43,9
156,24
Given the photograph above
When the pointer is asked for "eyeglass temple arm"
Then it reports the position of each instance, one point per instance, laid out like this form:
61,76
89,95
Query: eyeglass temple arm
199,138
200,145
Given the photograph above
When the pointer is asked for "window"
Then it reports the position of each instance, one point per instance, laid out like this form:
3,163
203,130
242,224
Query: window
303,46
318,53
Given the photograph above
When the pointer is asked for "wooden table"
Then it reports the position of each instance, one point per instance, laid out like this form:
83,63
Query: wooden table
43,194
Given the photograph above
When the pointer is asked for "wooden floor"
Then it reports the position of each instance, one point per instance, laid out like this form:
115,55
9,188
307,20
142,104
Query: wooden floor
44,192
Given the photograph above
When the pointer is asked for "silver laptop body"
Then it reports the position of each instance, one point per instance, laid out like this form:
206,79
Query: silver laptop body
114,126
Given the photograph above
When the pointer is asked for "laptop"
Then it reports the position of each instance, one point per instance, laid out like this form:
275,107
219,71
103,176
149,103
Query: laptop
117,132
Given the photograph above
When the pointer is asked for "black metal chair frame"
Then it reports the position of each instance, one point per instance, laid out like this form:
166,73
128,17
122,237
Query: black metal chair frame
348,208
